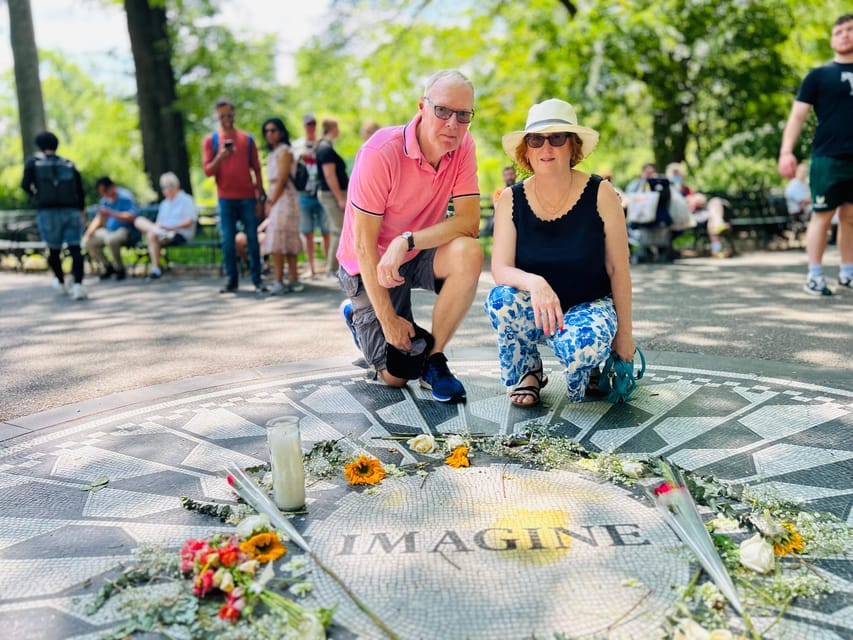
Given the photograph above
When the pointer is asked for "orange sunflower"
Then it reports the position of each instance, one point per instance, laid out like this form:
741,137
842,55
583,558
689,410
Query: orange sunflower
790,543
459,458
364,471
264,547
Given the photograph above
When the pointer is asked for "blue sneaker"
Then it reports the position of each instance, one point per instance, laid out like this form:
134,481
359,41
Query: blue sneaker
443,384
346,309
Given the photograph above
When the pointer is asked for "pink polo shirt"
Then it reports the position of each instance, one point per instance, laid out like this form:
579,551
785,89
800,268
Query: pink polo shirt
392,180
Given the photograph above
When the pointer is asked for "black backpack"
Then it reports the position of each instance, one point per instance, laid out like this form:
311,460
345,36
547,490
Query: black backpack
300,180
55,180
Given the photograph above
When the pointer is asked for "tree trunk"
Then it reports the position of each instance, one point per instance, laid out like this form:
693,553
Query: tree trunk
27,81
162,124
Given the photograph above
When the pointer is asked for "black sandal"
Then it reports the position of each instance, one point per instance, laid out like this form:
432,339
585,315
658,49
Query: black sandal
529,391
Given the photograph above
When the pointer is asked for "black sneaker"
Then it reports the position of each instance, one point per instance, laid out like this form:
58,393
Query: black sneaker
109,272
231,287
121,274
438,379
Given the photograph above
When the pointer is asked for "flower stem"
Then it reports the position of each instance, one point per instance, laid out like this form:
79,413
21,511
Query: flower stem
376,619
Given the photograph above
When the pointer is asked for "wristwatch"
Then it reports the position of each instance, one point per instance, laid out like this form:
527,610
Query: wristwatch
410,238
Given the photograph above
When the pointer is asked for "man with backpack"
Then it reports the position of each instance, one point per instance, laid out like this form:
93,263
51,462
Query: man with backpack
311,213
55,185
231,156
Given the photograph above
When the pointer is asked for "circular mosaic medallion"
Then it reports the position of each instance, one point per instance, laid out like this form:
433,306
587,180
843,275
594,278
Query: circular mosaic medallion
499,551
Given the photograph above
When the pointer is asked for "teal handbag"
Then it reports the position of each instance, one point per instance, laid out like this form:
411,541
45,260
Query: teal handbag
617,377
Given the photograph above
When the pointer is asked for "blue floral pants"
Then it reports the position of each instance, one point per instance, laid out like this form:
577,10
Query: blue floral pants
582,343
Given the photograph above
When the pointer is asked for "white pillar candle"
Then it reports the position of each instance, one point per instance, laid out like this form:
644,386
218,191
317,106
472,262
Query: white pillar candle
288,471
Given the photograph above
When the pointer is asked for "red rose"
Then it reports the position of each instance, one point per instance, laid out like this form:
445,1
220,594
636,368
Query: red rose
188,553
230,613
229,555
203,583
662,488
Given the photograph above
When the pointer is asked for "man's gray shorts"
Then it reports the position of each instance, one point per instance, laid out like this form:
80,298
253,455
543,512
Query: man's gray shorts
418,273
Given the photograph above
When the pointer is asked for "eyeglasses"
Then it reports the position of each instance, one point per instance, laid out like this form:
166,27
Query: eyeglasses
444,113
536,140
224,116
271,130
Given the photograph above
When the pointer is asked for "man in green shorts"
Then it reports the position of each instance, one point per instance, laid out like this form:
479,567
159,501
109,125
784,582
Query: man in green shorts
829,89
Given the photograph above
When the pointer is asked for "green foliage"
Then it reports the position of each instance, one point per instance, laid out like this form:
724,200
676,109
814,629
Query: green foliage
96,131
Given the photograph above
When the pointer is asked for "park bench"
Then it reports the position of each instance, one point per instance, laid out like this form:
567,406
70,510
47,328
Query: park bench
755,217
19,237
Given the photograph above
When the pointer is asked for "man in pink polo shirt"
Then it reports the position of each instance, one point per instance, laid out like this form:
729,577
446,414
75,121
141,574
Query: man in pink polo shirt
397,236
234,162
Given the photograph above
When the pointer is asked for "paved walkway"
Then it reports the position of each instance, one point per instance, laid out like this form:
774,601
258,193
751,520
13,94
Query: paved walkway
157,385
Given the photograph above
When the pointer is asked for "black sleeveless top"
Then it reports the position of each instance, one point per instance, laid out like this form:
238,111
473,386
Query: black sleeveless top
569,251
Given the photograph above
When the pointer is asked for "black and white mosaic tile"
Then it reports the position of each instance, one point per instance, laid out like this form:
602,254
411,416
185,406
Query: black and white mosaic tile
461,543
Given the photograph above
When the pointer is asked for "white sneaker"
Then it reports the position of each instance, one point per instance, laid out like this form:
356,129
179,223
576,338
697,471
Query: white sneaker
817,287
278,289
59,287
78,292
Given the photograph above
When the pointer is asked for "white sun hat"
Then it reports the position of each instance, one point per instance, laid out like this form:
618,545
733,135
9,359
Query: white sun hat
551,116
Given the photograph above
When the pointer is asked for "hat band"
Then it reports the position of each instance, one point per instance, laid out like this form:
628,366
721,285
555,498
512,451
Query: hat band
550,121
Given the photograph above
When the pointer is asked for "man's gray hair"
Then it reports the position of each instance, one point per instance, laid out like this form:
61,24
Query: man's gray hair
169,179
453,76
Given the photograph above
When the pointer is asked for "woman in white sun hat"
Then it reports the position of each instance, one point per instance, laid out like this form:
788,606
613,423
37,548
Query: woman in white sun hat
559,259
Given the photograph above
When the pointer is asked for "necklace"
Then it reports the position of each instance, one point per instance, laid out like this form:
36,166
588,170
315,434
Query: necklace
553,210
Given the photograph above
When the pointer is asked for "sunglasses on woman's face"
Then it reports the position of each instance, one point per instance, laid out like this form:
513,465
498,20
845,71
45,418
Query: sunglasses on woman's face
536,140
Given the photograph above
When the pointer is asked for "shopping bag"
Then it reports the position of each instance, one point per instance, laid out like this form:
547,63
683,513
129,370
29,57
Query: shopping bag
643,206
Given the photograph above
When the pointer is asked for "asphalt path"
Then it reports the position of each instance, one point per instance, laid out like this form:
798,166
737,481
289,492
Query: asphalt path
747,313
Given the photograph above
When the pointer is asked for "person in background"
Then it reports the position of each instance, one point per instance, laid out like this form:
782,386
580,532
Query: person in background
235,165
281,240
397,235
55,185
649,170
312,216
332,189
368,129
112,226
711,214
559,260
509,177
176,220
829,89
675,175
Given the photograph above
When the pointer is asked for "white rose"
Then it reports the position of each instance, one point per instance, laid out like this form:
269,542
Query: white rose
691,630
632,468
423,443
757,554
248,526
455,441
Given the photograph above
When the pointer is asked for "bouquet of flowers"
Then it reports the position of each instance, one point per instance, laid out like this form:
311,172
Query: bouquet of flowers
230,567
676,504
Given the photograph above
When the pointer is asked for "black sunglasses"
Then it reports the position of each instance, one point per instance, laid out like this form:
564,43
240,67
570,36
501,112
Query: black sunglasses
444,113
536,140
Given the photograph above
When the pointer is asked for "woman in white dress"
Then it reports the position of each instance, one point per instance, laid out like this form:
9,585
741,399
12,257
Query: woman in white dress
282,233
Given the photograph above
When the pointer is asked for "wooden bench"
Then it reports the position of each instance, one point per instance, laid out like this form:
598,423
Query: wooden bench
754,217
19,237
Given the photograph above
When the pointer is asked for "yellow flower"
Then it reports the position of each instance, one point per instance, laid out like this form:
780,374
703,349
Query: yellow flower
790,543
364,471
264,547
459,458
